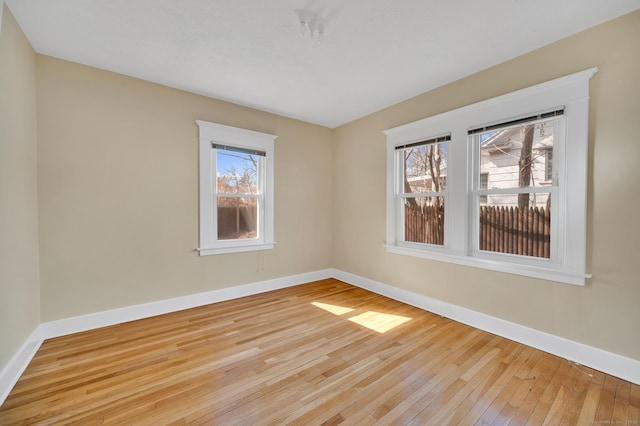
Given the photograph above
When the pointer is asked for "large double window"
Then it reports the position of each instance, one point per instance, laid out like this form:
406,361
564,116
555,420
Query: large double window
236,189
499,185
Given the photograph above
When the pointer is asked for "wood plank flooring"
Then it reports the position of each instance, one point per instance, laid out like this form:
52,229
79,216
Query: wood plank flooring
320,353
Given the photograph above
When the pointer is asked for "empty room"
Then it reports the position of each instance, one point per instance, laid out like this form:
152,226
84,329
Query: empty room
319,212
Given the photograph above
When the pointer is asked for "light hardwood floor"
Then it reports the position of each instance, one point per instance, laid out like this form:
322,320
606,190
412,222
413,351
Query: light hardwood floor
320,353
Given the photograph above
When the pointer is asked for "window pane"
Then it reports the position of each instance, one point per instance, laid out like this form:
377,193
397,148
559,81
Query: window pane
425,168
237,172
424,220
237,218
516,224
517,157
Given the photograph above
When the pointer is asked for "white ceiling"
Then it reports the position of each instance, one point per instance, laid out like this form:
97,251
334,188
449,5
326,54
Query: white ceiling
375,53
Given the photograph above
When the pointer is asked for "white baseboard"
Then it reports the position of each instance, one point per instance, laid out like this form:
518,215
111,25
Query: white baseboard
607,362
47,330
16,366
131,313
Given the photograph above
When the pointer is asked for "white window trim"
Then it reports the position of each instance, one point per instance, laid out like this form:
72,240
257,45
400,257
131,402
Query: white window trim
569,265
233,136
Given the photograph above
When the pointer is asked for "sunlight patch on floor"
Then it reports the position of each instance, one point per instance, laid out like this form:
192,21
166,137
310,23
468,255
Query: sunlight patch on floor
334,309
378,321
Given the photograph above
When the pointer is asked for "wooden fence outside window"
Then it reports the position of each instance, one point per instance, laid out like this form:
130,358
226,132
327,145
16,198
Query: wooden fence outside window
525,232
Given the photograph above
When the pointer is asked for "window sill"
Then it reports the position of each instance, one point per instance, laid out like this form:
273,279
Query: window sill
234,248
532,271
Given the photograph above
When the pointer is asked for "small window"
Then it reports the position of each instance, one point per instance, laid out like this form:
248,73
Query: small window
236,189
239,192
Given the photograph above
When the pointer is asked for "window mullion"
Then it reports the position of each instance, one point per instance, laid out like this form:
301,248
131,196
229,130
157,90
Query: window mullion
456,227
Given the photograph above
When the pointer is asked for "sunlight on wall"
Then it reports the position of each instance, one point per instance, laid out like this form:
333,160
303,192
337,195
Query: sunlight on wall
376,321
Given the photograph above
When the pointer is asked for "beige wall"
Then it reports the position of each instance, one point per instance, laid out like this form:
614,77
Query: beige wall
117,194
118,183
605,313
19,286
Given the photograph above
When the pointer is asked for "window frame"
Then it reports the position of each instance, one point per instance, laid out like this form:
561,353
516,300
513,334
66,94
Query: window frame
553,188
214,133
570,162
401,194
